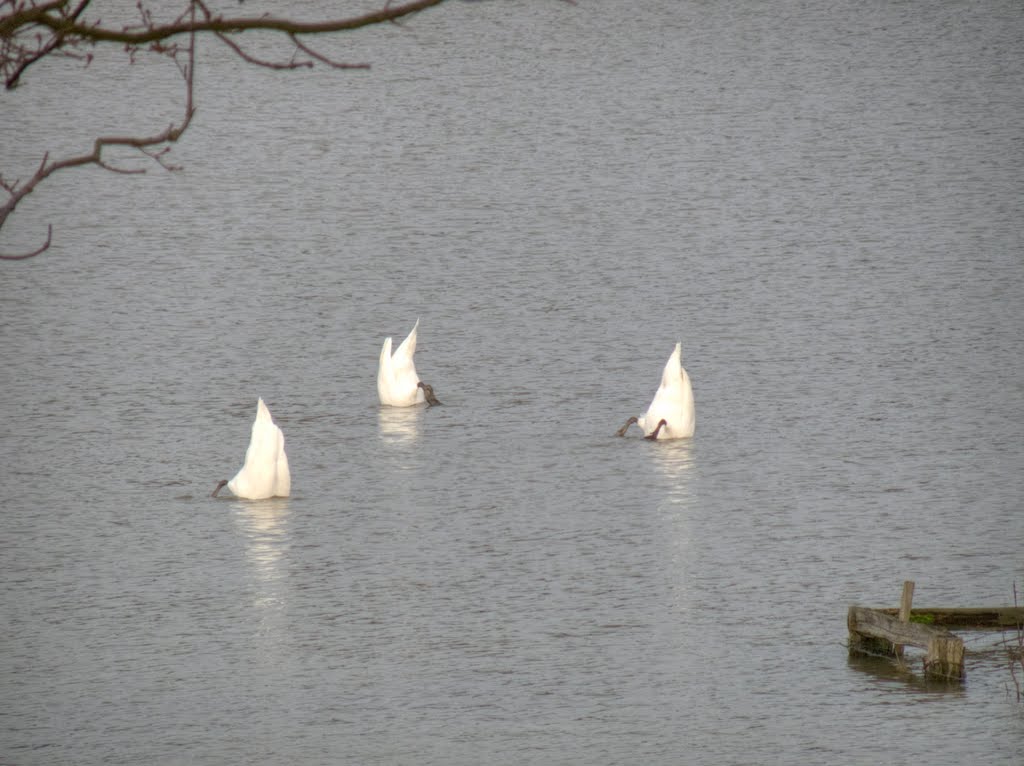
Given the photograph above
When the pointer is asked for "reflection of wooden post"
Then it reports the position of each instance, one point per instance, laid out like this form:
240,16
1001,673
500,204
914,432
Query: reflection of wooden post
906,599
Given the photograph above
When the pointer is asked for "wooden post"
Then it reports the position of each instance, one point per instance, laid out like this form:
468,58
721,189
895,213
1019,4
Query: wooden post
945,658
906,599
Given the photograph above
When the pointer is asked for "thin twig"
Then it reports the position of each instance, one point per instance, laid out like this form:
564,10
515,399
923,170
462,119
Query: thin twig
34,253
1020,651
261,62
320,57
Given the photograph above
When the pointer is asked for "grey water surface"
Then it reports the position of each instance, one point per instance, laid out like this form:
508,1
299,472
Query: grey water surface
822,202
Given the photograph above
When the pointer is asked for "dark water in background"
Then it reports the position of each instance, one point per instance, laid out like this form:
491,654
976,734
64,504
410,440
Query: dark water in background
822,205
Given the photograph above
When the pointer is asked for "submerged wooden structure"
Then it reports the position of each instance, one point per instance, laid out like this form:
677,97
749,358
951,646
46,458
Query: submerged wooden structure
884,632
975,618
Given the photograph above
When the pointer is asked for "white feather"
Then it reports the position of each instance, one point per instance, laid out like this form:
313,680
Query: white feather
265,473
673,402
397,381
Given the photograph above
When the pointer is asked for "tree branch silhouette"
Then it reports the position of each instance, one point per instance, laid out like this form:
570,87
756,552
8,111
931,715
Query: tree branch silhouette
32,30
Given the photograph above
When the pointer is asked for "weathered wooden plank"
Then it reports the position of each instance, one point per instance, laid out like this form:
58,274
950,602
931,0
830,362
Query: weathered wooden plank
874,632
876,624
978,618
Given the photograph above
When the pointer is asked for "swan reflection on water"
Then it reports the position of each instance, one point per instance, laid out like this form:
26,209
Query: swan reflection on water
264,525
675,461
400,424
265,530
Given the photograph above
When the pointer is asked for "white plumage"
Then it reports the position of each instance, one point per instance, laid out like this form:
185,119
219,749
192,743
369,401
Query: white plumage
671,414
265,472
398,384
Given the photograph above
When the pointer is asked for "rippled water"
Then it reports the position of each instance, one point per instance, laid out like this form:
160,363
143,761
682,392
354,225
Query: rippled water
823,205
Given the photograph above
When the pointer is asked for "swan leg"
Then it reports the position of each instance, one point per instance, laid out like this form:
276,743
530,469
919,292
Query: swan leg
428,393
654,434
622,431
220,485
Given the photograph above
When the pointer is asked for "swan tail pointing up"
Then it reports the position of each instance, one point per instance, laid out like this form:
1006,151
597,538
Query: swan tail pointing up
397,381
670,375
265,472
407,347
671,414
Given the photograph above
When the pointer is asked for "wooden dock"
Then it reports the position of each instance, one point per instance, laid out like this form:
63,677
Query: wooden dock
884,632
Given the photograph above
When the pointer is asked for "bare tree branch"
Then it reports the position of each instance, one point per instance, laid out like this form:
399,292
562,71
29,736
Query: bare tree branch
292,64
147,145
67,27
34,253
24,59
31,30
323,59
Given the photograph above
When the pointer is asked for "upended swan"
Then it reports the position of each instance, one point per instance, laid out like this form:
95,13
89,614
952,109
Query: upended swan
397,382
671,414
265,473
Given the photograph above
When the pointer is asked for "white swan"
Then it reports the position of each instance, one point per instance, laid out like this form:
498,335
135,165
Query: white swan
397,382
671,414
265,473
